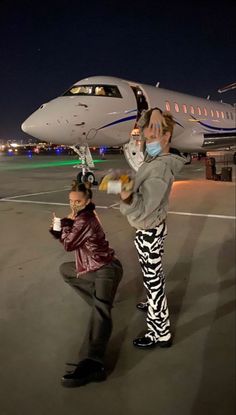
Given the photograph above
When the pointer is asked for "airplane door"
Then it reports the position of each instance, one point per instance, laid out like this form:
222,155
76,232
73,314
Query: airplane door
142,103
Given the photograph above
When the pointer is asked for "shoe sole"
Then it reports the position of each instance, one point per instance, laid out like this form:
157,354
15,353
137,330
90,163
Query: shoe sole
158,344
73,383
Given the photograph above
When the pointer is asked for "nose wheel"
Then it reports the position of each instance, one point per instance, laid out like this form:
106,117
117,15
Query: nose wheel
85,175
86,178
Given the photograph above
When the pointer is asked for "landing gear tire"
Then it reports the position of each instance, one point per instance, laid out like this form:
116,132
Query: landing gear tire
87,177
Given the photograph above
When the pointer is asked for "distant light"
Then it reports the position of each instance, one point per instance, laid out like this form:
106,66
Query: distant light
102,150
14,145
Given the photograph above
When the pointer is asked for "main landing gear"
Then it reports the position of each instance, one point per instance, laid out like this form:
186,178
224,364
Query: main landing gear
85,175
188,158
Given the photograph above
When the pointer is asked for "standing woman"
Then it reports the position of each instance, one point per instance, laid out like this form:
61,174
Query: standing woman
146,210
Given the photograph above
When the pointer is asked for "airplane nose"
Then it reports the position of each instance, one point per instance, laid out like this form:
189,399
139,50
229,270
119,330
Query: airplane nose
25,127
56,121
33,127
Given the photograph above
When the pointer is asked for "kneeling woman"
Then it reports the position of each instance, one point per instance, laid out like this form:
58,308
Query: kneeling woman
95,275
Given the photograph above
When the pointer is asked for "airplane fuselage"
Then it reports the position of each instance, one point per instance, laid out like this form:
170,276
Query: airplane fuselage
100,111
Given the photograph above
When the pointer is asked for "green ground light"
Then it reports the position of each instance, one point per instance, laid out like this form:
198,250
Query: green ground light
35,165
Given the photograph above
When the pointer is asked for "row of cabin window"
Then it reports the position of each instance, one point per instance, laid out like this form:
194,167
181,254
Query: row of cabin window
199,111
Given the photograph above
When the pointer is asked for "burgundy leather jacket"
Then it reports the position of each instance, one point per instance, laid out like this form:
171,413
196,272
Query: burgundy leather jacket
86,237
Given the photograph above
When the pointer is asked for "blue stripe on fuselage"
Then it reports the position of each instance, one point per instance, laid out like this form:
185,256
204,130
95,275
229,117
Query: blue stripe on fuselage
214,128
131,117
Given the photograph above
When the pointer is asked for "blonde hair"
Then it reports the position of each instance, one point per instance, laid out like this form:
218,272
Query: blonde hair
165,120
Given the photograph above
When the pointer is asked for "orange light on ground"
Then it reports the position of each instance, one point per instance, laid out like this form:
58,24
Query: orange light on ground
181,182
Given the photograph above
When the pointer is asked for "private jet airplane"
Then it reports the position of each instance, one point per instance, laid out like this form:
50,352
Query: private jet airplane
100,111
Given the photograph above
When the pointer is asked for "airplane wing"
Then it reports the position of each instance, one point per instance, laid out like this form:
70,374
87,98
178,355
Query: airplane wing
226,139
227,88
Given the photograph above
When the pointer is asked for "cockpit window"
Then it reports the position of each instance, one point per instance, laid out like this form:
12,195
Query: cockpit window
94,90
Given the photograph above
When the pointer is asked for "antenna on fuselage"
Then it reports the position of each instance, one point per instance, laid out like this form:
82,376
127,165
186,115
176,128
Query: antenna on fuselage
157,85
208,97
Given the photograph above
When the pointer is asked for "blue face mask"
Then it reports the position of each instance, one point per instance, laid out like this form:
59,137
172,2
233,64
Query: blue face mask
153,149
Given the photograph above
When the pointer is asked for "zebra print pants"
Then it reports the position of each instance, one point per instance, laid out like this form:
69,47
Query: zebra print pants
149,244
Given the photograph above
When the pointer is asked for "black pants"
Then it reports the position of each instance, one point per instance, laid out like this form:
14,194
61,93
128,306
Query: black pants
98,289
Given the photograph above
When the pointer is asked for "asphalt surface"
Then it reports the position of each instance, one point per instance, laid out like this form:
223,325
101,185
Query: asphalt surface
42,321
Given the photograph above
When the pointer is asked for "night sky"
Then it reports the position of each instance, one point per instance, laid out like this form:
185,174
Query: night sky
45,47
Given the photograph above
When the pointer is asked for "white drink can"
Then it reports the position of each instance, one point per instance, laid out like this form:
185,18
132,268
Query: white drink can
114,187
57,224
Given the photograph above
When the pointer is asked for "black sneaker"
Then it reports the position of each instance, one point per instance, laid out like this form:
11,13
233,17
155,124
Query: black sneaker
86,371
146,343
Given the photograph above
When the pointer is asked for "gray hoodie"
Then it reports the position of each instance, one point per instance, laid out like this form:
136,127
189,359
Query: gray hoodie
152,187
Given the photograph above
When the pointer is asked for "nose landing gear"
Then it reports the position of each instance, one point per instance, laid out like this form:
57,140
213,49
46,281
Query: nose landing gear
188,158
85,175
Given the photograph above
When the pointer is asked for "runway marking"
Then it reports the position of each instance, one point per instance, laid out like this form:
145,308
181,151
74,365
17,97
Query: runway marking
37,202
39,193
33,202
44,193
202,214
114,206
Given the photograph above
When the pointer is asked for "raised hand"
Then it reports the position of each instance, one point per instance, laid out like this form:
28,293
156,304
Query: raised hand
155,124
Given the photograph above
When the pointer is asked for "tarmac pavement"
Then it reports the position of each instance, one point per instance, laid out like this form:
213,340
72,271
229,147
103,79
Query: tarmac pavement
42,320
